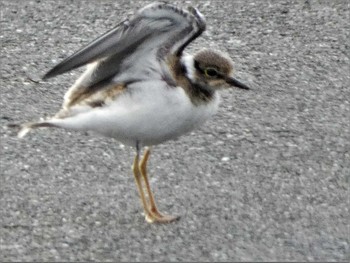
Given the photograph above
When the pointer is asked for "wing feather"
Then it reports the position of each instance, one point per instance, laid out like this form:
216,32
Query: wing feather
157,26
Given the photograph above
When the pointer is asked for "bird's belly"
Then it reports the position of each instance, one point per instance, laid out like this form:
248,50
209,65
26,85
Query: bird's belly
148,117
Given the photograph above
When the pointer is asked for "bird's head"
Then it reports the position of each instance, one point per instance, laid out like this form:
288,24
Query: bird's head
215,69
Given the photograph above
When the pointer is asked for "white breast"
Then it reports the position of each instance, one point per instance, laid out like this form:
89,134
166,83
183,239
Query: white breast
147,114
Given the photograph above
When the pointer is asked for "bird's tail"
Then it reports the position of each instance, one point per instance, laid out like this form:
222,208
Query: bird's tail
23,129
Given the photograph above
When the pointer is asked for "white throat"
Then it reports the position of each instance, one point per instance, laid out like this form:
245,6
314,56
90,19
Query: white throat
188,61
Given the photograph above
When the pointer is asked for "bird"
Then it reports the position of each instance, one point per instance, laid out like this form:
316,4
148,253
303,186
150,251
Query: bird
141,88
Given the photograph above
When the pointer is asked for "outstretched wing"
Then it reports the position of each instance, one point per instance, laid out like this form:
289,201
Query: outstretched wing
154,32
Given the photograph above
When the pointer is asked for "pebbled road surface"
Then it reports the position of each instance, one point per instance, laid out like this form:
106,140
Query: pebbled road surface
266,179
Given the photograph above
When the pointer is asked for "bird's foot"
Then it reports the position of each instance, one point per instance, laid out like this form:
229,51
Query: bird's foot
156,217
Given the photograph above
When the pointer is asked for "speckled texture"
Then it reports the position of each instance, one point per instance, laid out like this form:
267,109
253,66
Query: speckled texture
266,179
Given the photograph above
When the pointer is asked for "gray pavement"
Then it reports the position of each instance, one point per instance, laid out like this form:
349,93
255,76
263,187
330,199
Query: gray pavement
266,179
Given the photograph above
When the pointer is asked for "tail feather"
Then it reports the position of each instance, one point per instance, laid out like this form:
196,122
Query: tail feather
27,127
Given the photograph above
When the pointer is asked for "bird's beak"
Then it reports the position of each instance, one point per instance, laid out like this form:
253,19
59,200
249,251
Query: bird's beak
234,82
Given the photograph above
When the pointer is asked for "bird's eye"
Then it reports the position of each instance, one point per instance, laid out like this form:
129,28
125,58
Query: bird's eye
211,72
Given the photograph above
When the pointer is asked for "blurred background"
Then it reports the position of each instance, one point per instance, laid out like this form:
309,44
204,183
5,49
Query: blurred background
267,179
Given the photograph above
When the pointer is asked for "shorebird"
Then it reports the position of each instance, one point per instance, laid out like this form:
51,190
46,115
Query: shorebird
141,88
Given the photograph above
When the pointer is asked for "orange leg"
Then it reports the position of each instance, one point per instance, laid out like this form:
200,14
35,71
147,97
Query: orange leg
138,181
156,216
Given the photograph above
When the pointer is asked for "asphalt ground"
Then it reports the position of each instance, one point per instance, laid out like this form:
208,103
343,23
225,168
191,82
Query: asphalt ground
267,179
